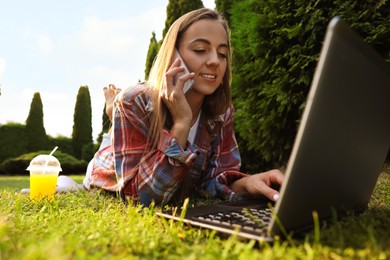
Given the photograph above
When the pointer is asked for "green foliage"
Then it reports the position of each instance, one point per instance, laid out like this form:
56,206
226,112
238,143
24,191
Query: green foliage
88,151
276,47
18,165
173,12
224,6
35,131
96,226
152,52
189,5
82,125
64,144
13,140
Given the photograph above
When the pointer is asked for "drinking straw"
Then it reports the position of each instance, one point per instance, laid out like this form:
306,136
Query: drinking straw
47,162
55,148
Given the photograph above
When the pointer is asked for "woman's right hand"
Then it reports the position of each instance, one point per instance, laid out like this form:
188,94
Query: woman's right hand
173,94
174,98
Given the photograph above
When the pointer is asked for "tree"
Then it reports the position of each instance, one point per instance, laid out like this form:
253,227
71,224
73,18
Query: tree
189,5
276,47
173,12
177,8
152,52
224,6
35,131
82,124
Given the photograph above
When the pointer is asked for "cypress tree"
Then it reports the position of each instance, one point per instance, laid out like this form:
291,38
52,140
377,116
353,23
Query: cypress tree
82,125
177,8
189,5
35,131
152,52
173,12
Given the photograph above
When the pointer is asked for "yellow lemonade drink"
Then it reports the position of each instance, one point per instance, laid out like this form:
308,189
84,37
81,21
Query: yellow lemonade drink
43,185
44,170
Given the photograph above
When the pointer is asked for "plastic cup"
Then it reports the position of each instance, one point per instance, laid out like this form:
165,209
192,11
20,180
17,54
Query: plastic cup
44,170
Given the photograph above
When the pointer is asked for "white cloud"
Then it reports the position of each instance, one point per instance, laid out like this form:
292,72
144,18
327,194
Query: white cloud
54,97
112,36
115,42
2,68
209,3
26,96
102,39
9,97
104,49
103,75
58,110
44,44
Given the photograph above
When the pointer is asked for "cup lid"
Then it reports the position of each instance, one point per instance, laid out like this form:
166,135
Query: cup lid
44,161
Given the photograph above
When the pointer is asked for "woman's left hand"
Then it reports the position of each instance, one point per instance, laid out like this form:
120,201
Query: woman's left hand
259,185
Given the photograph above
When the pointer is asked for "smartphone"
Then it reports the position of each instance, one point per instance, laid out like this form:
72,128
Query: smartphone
190,82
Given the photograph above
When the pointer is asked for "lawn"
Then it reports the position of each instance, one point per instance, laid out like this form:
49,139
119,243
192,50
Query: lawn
87,225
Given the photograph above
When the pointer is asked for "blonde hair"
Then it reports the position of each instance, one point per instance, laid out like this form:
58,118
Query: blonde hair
214,104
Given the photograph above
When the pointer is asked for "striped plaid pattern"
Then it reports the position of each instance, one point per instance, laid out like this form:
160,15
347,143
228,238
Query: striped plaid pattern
212,162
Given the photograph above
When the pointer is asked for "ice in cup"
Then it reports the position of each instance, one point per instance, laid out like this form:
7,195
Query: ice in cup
44,170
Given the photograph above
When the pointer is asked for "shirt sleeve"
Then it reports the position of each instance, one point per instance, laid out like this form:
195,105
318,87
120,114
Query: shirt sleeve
148,174
224,163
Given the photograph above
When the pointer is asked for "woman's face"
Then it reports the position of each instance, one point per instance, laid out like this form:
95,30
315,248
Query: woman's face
204,48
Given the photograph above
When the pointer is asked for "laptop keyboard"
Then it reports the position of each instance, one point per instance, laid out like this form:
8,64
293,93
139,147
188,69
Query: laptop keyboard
252,220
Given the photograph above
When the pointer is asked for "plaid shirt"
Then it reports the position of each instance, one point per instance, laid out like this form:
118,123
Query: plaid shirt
211,163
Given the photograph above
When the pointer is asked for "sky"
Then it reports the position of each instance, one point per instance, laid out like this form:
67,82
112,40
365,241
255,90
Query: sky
53,47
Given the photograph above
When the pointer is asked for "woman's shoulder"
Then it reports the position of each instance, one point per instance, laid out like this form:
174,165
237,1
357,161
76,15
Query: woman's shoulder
229,113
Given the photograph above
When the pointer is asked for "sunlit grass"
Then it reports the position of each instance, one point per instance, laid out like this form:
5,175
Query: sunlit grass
20,182
87,225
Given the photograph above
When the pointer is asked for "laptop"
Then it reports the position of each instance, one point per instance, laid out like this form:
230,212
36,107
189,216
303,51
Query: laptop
339,151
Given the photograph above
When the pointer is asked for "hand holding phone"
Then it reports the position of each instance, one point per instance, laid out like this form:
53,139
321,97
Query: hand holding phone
190,82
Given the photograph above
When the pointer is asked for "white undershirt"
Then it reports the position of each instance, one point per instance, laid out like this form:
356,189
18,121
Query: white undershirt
192,133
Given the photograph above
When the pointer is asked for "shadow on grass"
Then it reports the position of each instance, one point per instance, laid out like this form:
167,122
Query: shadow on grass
369,229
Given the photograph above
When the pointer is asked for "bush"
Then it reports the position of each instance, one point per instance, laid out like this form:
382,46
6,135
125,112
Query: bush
64,144
18,166
13,140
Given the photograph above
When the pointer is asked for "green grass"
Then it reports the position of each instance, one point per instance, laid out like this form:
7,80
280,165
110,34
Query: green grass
20,182
94,226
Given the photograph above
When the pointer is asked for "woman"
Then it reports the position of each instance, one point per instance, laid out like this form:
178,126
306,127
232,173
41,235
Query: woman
167,144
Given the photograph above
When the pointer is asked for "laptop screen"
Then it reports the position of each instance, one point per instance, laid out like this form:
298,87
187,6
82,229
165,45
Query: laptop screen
344,134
